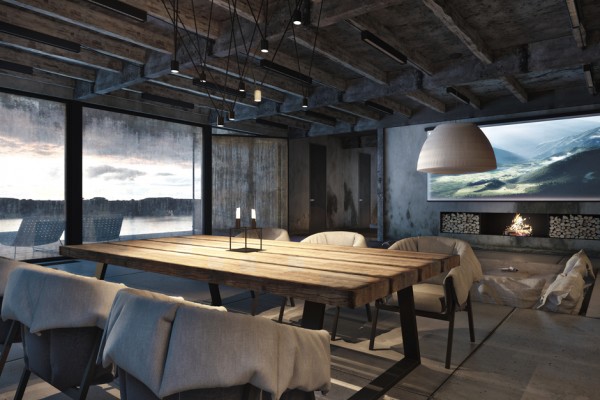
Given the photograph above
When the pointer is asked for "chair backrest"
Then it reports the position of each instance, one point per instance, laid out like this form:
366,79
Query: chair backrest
268,234
192,346
339,238
102,228
463,276
36,231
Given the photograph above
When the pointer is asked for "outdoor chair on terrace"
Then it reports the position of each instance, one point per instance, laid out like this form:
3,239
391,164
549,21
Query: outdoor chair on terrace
34,231
102,228
62,316
206,353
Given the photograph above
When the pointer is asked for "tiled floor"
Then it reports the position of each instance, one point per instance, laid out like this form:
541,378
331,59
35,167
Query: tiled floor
518,353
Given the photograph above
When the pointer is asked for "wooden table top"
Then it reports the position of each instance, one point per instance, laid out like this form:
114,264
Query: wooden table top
333,275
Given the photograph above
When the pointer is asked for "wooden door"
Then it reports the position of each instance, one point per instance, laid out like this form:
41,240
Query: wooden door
364,190
318,188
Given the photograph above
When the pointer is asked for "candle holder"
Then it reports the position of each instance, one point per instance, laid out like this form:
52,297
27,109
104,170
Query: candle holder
238,229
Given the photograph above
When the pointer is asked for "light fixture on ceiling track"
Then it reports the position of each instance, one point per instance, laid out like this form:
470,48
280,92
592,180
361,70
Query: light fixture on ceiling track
257,95
305,102
290,73
220,121
39,37
174,62
458,95
123,8
382,46
231,115
297,17
456,148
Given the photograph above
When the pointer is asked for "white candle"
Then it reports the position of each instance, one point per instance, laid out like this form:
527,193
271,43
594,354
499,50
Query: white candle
237,213
253,214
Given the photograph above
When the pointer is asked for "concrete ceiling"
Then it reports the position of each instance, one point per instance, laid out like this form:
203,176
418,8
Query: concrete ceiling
505,59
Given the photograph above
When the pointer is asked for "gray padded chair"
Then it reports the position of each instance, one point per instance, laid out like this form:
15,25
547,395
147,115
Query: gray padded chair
205,353
62,316
336,238
441,296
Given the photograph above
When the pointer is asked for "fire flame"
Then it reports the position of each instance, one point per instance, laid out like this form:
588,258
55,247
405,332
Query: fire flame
519,227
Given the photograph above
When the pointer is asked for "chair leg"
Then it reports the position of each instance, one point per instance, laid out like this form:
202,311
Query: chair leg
470,315
292,302
254,302
15,326
374,326
22,384
451,313
335,323
368,309
282,309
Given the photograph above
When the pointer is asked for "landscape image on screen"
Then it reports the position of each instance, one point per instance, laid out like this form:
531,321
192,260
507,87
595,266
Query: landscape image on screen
543,160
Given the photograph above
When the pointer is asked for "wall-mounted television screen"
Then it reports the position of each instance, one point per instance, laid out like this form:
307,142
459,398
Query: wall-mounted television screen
549,160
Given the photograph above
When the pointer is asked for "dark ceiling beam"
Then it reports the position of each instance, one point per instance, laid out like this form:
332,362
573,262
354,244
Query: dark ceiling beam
395,106
339,115
186,14
454,21
359,110
84,58
49,65
336,11
464,95
88,40
328,48
154,35
371,24
515,88
579,33
427,100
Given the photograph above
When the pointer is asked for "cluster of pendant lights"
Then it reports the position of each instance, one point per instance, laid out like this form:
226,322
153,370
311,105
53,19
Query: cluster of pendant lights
264,48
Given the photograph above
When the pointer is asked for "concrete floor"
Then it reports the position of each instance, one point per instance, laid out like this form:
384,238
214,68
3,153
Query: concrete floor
518,354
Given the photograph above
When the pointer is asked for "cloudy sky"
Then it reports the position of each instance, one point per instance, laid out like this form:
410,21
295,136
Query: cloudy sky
128,158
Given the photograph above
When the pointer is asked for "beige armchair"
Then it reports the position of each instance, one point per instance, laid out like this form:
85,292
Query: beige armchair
337,238
441,296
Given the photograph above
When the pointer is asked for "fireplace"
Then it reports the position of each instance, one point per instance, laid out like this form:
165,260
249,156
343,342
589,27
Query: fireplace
567,226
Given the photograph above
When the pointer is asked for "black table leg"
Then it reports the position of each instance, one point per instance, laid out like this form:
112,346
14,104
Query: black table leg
101,271
215,294
313,315
412,355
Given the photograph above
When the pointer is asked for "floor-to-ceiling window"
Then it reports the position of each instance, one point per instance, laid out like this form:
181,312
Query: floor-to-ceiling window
32,150
141,176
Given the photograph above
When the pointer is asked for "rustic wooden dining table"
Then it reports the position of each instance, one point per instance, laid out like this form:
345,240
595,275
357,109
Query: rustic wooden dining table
321,275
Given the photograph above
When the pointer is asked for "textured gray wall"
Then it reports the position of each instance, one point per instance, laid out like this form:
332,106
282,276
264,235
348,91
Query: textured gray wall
249,173
342,184
408,213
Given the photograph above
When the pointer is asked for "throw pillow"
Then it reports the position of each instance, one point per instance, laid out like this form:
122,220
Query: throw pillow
580,257
564,295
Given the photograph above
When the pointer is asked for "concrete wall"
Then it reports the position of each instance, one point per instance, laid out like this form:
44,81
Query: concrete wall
342,184
408,213
249,173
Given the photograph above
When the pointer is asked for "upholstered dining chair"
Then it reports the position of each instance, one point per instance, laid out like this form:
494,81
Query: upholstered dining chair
206,353
267,234
441,296
9,329
62,316
337,238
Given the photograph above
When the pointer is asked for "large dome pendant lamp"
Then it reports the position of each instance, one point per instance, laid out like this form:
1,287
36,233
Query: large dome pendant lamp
456,148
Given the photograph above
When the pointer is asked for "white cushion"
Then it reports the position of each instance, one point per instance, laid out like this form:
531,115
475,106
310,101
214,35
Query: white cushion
429,297
580,262
564,295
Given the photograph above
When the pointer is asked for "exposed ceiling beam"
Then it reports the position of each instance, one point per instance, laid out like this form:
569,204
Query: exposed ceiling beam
88,40
335,11
49,65
577,27
328,48
515,88
368,23
154,35
84,58
394,106
427,100
454,21
464,95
